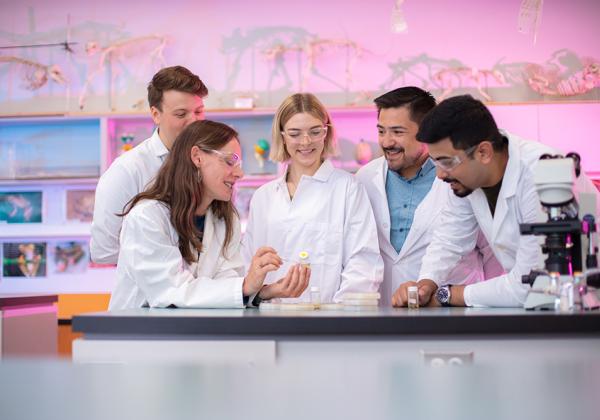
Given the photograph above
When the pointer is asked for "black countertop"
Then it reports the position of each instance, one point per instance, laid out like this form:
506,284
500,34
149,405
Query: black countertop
382,322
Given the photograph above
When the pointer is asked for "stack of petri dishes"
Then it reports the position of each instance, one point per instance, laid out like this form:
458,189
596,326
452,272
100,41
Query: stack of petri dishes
368,301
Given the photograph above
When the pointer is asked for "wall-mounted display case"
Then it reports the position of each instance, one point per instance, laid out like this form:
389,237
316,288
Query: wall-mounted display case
49,168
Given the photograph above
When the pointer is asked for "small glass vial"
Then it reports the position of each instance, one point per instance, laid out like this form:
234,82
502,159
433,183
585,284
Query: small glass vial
304,258
413,297
554,289
579,288
315,296
554,282
566,294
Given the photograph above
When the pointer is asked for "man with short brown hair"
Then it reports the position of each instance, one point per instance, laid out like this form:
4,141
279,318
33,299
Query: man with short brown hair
175,96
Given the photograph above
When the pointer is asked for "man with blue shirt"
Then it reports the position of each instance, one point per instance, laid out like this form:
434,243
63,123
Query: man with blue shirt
407,198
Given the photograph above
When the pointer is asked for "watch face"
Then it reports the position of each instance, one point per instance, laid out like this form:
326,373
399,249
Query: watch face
442,295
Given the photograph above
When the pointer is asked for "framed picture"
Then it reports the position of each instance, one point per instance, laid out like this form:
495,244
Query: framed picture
68,257
21,207
80,205
24,259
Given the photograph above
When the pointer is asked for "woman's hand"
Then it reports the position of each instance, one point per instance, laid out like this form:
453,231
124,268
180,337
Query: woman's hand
292,285
264,261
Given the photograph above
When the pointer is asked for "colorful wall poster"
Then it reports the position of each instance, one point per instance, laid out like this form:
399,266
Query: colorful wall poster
21,207
68,257
24,259
80,205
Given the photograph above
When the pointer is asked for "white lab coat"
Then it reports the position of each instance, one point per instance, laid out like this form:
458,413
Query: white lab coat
126,177
518,202
405,265
331,218
152,272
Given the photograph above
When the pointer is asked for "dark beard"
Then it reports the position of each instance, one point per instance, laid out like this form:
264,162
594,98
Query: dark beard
460,194
393,149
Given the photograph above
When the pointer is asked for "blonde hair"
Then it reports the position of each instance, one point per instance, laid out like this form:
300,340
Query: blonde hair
299,103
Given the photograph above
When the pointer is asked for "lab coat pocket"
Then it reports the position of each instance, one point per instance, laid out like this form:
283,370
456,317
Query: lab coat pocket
315,238
334,246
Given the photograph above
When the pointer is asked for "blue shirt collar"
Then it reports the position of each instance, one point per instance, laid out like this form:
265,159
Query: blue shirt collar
427,167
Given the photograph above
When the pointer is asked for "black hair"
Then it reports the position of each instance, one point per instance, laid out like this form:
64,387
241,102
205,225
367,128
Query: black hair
464,119
418,101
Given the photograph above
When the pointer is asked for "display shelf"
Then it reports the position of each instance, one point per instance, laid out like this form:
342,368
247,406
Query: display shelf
565,125
49,148
28,231
48,181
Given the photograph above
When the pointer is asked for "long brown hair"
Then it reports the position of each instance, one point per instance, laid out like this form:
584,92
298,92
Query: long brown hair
177,185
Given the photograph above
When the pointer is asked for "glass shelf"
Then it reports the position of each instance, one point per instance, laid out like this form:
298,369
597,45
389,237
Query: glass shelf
49,149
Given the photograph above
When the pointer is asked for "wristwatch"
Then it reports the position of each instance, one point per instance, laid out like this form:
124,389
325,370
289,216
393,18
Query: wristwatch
257,300
443,295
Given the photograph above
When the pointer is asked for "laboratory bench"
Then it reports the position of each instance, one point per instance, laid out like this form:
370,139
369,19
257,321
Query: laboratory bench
28,325
435,336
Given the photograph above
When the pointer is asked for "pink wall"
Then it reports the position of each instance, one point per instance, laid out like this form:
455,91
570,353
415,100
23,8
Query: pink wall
224,42
477,34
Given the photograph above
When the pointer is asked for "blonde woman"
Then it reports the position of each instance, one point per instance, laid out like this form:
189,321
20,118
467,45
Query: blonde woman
315,208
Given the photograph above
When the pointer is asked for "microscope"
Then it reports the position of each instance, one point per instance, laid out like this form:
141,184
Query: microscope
568,242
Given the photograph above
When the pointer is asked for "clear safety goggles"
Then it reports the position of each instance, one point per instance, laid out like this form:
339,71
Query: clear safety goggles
448,164
315,134
230,158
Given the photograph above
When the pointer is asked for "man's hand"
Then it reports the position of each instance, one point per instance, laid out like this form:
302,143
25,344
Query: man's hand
292,285
400,296
426,289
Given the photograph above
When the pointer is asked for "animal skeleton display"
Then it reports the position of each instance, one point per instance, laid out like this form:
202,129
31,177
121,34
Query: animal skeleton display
548,80
462,76
312,50
114,52
530,16
35,74
398,22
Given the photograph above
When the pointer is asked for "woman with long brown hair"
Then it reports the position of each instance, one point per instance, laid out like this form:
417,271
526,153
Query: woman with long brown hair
181,236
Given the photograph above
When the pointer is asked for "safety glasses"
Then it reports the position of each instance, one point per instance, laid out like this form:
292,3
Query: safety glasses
231,159
315,134
448,164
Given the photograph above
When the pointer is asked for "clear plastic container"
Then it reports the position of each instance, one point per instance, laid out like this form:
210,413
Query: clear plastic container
566,298
579,288
413,297
304,258
315,296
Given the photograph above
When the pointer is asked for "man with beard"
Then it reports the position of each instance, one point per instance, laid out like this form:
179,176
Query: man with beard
406,197
491,175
